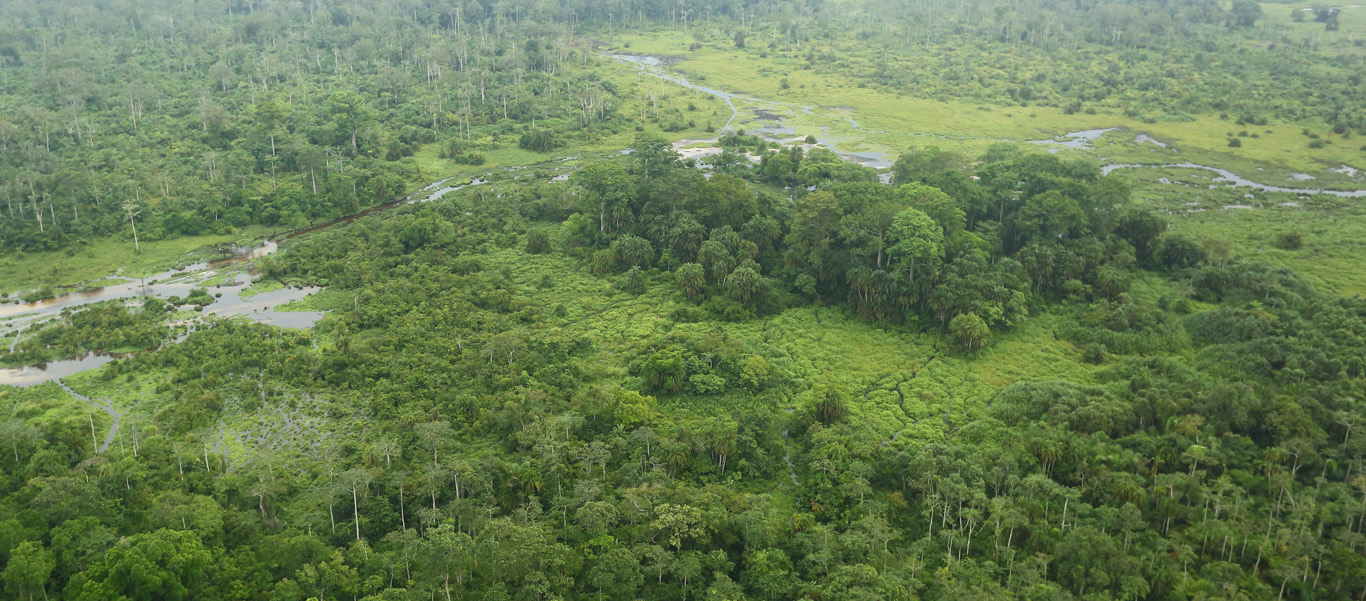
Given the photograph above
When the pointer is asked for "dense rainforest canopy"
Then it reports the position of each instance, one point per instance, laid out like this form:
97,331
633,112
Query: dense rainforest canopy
767,374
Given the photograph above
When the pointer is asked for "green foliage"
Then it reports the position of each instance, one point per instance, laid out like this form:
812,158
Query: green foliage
970,331
539,140
104,327
537,242
1180,252
28,569
164,564
482,416
1290,241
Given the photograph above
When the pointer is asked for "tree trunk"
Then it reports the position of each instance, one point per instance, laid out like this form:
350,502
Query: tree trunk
355,507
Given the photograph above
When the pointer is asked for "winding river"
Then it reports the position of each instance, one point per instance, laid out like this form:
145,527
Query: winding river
774,130
1236,180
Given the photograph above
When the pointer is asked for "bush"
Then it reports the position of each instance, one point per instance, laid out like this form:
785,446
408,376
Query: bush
970,331
537,242
1290,241
1179,252
633,282
468,158
707,383
1235,143
539,140
688,315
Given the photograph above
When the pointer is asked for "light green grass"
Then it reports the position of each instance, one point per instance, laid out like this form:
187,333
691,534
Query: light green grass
1351,26
642,97
261,286
105,256
1334,229
1334,254
810,345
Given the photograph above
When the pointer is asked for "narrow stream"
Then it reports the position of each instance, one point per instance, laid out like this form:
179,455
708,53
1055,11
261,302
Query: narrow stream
1236,180
772,127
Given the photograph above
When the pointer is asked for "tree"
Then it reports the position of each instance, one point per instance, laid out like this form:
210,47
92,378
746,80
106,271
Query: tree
970,331
1245,13
1142,229
609,192
633,251
769,573
348,113
743,285
132,210
1047,217
923,165
917,241
934,202
165,565
30,565
679,523
1180,252
692,279
716,259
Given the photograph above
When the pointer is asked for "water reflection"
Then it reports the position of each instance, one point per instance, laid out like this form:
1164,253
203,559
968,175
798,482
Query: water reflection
37,374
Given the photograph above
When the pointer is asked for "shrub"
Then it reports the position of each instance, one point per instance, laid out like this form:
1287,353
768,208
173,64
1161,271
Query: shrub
1290,241
468,158
1178,252
537,242
539,140
633,282
970,331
